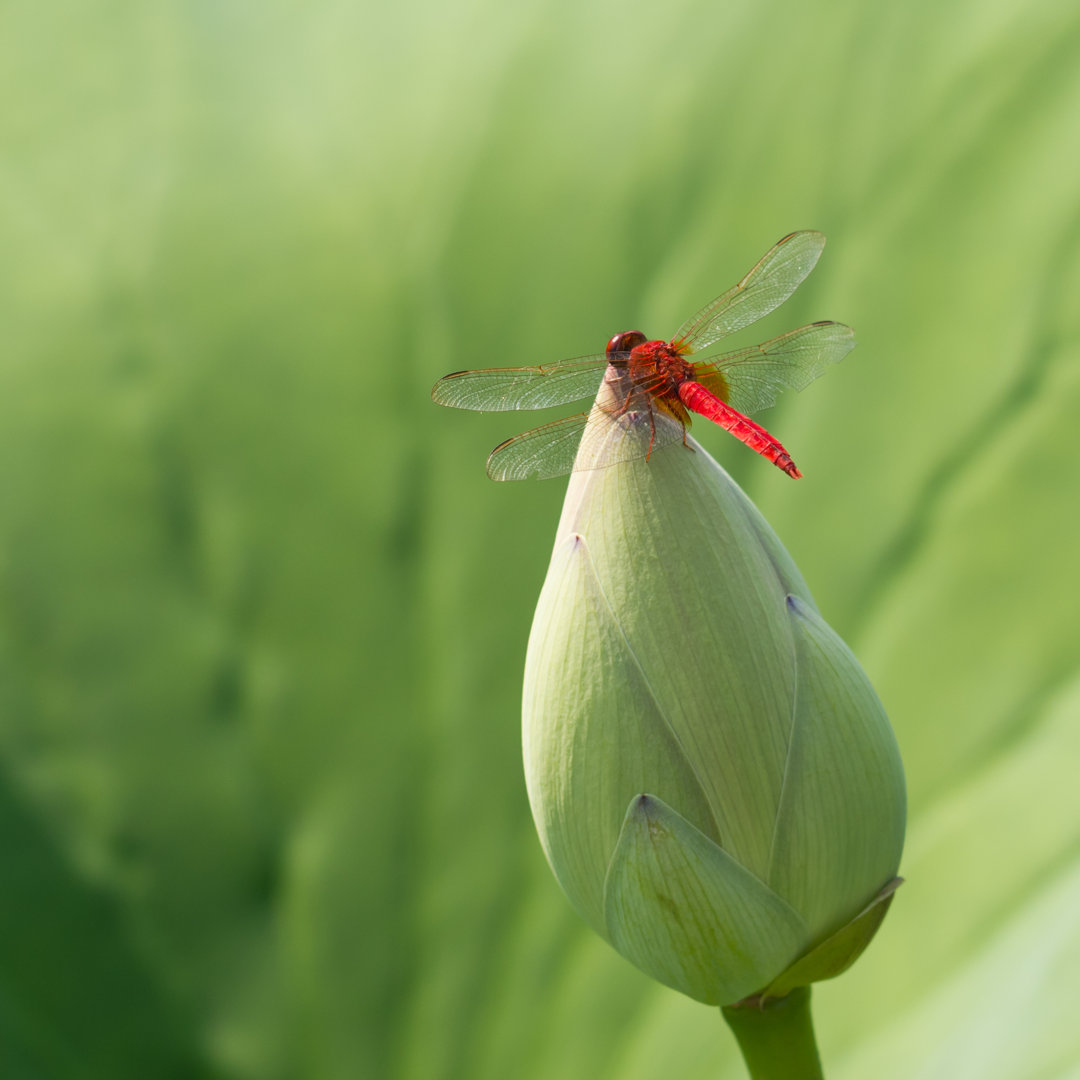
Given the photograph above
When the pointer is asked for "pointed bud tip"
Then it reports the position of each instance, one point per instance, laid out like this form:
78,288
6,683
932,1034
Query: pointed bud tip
647,809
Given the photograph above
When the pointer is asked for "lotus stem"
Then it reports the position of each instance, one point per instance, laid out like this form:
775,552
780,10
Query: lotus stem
777,1038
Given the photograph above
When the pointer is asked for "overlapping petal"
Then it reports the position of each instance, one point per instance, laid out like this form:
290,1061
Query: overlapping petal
687,913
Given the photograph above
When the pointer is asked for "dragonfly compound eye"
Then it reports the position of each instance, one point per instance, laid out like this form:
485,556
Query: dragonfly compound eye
624,342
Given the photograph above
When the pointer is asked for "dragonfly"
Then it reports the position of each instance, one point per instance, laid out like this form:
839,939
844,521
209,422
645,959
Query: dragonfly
646,390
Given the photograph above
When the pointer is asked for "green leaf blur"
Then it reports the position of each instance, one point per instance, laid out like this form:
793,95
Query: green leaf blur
263,617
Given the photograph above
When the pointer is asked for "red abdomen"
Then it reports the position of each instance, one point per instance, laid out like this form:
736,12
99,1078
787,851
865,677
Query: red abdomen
694,396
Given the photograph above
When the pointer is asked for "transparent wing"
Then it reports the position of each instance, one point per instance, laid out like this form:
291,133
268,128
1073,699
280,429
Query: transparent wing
751,379
779,273
503,389
590,440
543,452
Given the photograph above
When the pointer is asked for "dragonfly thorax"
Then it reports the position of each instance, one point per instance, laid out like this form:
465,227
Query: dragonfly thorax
660,365
657,362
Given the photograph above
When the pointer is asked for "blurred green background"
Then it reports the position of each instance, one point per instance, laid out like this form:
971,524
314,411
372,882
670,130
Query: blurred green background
263,617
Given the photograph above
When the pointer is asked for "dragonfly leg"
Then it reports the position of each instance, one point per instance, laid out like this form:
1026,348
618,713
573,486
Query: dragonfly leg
652,420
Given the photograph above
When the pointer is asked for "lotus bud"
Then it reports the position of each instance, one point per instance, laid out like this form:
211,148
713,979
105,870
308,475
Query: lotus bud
715,783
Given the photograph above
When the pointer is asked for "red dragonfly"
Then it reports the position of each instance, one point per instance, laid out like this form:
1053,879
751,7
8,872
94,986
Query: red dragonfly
649,388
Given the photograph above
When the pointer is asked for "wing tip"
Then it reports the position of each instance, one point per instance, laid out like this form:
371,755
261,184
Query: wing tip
815,235
842,334
491,466
436,391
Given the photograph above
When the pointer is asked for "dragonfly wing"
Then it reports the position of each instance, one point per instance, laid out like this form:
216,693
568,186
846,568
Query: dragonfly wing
503,389
590,440
543,452
751,379
779,273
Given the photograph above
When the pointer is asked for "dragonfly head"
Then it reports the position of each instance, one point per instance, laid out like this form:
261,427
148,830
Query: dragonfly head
624,342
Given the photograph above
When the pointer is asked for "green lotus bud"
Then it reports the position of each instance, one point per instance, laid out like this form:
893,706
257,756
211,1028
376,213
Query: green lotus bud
714,781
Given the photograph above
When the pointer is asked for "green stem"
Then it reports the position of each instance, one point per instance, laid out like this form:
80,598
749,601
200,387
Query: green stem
777,1038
